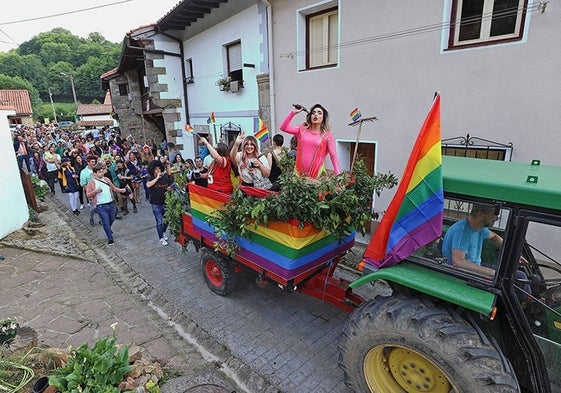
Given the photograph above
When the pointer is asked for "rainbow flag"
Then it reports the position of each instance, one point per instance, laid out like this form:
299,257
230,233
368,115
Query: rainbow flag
260,130
414,216
211,119
188,128
355,114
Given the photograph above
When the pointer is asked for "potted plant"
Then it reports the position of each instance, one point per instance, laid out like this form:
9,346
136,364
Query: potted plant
224,83
8,329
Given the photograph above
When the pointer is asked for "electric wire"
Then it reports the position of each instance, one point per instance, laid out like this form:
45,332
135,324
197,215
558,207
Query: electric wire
503,14
63,13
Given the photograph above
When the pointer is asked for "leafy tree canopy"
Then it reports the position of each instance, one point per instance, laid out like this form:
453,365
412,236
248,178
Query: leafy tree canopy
41,60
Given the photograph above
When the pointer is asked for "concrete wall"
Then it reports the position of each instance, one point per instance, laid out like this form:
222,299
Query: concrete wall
13,206
504,92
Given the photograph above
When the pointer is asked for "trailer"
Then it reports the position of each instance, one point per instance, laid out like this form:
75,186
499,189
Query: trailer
297,258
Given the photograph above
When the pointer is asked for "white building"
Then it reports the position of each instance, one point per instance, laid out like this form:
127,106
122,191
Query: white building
13,205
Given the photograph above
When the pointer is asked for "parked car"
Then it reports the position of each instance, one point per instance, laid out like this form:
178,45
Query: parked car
65,124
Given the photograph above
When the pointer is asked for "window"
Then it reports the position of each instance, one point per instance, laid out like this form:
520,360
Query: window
322,38
189,71
234,61
481,22
123,89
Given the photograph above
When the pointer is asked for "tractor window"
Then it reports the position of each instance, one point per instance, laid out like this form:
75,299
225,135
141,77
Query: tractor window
467,250
542,250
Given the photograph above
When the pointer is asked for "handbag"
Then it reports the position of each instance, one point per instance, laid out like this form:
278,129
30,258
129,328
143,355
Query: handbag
262,182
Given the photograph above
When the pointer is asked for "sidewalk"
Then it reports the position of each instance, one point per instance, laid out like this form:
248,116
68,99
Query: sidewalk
68,286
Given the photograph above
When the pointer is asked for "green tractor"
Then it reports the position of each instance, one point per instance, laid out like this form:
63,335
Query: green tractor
448,329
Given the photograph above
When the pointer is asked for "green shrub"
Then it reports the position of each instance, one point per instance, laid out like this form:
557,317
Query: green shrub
96,370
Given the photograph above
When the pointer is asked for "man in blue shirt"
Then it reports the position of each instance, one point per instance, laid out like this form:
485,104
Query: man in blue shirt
464,240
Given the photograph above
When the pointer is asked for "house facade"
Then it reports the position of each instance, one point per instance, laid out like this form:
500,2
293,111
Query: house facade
169,74
496,68
225,56
494,62
18,99
96,115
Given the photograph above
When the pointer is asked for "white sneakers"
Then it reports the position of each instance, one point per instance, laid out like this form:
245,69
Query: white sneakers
163,241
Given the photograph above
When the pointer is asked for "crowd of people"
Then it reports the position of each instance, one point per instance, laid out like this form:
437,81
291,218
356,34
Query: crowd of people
106,172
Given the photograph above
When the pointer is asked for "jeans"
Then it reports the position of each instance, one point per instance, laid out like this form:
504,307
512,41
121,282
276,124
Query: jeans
107,213
161,226
24,158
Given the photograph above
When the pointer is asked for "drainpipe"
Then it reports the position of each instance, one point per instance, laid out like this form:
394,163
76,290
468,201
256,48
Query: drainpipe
271,73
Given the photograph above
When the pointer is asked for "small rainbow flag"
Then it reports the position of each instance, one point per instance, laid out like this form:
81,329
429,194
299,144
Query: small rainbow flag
260,130
414,216
211,119
355,114
188,128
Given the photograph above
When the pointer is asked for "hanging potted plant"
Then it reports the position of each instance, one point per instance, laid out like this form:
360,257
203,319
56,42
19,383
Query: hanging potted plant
8,329
224,83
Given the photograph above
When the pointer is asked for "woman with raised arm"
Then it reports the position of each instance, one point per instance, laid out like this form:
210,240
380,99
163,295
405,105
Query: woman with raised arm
252,166
315,141
219,172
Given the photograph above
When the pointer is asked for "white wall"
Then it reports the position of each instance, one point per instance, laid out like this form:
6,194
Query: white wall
207,53
504,93
13,206
173,78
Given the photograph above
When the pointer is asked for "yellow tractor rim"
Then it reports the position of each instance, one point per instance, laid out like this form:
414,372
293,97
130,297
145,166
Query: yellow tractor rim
396,369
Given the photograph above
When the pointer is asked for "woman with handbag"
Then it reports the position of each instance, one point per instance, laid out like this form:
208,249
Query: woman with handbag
219,172
254,168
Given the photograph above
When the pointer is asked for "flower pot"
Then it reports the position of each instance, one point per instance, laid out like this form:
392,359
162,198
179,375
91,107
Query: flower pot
41,385
6,337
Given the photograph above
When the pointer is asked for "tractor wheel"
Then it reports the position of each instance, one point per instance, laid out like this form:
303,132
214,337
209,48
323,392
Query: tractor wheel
402,344
218,272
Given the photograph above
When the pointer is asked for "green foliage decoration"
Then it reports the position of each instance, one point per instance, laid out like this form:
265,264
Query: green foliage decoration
334,204
177,202
93,370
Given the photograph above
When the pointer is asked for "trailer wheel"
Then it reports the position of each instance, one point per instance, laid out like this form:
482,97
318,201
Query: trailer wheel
402,344
218,272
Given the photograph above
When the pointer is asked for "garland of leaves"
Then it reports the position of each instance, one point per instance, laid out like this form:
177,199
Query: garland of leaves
335,204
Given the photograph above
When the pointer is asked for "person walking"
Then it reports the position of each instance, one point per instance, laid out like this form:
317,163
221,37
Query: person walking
70,184
85,177
52,161
100,191
159,182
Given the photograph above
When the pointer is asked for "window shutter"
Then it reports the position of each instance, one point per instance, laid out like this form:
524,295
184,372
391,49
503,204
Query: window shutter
235,57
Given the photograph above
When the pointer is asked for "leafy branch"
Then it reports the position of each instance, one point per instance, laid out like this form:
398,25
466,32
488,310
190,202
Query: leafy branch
335,204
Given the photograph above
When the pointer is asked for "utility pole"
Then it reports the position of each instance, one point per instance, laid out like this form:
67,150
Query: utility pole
52,105
73,92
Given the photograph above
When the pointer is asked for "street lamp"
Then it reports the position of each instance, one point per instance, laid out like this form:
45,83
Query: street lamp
73,90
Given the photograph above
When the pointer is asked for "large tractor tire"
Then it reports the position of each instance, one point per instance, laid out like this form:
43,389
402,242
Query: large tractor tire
401,344
218,272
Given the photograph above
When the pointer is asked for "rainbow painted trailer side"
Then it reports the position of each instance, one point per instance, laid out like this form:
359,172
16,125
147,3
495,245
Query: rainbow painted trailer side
297,259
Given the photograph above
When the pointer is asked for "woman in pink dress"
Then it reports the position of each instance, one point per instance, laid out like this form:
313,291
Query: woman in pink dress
315,141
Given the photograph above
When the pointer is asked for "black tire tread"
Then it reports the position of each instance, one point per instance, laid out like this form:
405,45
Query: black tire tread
473,362
227,269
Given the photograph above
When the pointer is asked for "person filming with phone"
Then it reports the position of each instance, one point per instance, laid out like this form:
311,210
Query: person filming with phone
159,182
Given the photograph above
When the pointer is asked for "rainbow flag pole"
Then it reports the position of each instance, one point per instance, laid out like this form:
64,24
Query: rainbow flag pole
356,119
414,216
